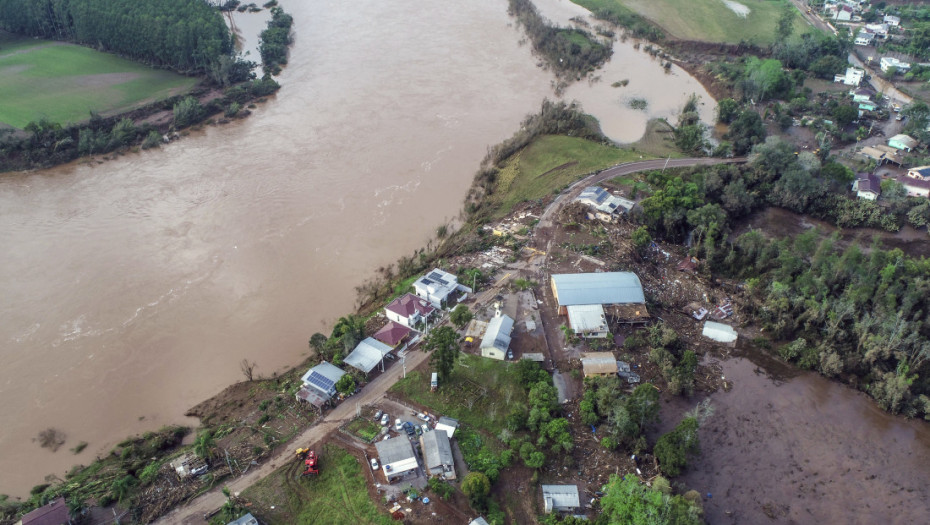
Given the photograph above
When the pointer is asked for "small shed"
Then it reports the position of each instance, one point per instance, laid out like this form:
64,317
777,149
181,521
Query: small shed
587,320
902,142
496,339
719,332
437,454
448,425
534,356
560,498
599,364
397,457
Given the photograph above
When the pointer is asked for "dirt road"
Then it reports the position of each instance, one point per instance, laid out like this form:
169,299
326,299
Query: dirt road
194,511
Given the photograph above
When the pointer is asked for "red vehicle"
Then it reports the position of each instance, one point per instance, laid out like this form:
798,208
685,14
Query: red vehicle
311,465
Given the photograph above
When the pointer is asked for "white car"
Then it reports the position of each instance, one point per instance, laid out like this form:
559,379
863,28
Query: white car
374,464
422,416
385,420
398,425
425,427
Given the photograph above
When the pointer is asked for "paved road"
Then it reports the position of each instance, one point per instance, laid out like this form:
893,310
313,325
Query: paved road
624,169
194,511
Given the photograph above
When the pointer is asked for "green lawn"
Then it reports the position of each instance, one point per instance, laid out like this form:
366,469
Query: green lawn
64,82
338,496
548,164
706,20
488,412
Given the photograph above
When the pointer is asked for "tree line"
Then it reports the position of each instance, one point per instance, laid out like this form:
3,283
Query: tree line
854,313
187,36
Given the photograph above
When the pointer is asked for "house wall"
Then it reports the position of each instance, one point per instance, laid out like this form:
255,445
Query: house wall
397,318
867,195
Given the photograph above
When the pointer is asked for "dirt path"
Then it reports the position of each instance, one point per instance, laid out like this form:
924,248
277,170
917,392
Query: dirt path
194,511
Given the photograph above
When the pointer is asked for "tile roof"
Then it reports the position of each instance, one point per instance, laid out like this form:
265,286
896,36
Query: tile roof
55,513
392,334
408,305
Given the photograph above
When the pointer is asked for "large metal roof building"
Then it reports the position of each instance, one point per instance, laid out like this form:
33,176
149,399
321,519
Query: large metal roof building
597,288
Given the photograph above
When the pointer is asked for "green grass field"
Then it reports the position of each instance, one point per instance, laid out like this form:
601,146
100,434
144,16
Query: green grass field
706,20
488,412
64,82
338,496
548,164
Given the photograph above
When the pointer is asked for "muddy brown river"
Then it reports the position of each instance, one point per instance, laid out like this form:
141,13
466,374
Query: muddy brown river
132,288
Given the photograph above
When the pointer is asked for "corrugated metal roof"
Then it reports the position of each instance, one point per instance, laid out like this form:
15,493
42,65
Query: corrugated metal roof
395,449
437,451
248,519
598,288
498,333
367,354
587,318
560,497
599,363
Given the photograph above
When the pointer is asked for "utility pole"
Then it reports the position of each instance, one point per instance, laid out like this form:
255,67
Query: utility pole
666,162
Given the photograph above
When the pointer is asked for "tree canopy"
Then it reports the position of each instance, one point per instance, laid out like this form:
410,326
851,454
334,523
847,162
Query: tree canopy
185,35
628,502
443,341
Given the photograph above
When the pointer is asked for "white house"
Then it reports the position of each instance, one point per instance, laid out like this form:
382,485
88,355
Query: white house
408,310
496,339
919,173
915,187
843,14
560,498
892,21
864,38
397,457
605,206
888,62
880,30
437,286
867,186
853,76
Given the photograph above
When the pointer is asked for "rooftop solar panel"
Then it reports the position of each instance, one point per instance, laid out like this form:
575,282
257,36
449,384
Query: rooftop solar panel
321,382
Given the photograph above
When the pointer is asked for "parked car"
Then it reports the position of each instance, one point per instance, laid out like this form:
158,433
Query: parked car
398,425
425,427
374,464
409,428
422,416
385,420
509,354
378,415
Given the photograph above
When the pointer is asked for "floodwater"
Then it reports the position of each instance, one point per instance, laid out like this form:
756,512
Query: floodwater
665,91
785,446
780,222
134,287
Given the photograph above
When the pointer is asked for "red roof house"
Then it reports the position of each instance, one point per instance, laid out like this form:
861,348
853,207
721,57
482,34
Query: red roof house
392,334
408,310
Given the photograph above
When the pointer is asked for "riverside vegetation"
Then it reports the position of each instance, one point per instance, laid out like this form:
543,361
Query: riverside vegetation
190,40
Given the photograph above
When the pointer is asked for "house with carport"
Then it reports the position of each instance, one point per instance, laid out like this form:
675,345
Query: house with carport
319,384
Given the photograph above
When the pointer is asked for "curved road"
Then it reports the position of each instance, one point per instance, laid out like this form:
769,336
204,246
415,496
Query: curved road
194,511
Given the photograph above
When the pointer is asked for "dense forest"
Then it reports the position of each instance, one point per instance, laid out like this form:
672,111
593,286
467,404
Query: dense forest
850,312
188,36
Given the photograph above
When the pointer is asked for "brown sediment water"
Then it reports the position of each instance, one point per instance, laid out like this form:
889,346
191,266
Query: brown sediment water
785,446
132,288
